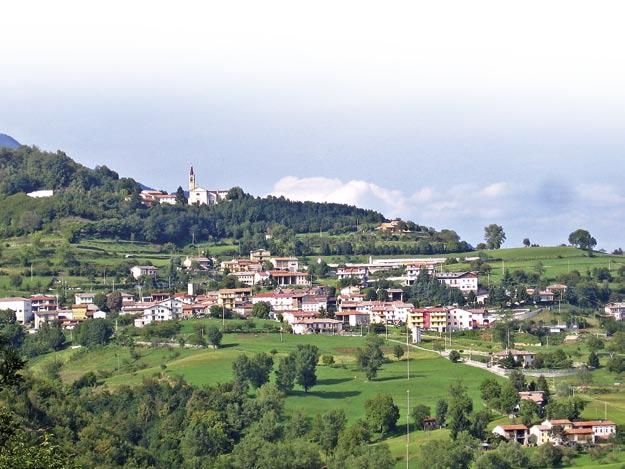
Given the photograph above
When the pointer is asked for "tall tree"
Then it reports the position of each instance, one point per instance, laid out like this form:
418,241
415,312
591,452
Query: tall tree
582,239
306,359
494,236
370,357
381,413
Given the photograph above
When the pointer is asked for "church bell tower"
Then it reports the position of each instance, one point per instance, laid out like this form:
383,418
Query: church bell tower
191,179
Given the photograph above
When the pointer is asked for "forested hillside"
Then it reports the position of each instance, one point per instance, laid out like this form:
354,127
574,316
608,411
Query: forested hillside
98,203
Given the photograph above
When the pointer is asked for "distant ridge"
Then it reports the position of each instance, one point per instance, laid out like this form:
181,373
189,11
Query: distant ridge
8,141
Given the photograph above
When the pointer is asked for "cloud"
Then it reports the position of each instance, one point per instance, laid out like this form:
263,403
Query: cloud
546,211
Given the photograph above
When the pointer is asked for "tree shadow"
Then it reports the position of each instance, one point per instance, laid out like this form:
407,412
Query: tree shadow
331,381
326,394
228,345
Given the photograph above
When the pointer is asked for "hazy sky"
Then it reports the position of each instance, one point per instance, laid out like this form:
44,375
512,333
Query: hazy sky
452,114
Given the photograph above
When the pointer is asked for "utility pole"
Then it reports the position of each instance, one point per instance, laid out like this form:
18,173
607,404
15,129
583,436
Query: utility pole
407,354
407,428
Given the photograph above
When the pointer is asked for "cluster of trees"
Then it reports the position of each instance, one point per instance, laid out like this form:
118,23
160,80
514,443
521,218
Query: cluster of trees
427,291
168,423
50,337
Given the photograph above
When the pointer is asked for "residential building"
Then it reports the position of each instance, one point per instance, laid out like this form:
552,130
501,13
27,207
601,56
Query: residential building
601,429
314,303
317,326
201,262
240,265
139,271
433,319
461,319
43,303
522,357
279,301
22,307
260,255
353,318
233,298
293,316
518,433
360,273
290,264
535,396
464,281
84,298
249,277
616,310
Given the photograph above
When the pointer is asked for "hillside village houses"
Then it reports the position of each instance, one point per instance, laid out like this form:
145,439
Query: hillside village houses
558,432
139,271
22,307
616,311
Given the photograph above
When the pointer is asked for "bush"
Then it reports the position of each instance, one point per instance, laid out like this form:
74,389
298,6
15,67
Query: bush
327,360
454,356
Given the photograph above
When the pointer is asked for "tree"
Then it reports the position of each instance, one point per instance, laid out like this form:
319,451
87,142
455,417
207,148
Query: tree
539,268
582,239
398,351
547,455
509,398
490,389
593,360
594,343
616,364
286,373
327,427
517,378
181,199
114,301
441,412
327,359
494,236
543,385
93,332
529,412
454,356
419,413
381,413
460,408
370,358
100,301
261,310
445,454
526,242
205,435
306,359
214,336
253,370
11,363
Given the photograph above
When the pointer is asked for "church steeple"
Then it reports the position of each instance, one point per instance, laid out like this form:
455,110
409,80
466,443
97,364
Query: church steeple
191,179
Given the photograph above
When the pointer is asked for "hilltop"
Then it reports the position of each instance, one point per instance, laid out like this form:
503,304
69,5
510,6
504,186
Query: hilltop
7,141
98,203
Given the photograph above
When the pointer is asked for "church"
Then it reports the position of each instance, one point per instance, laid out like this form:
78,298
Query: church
200,196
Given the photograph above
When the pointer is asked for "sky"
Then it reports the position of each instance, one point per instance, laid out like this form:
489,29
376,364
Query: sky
451,114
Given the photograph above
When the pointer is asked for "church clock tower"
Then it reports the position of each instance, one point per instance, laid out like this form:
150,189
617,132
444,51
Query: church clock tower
191,179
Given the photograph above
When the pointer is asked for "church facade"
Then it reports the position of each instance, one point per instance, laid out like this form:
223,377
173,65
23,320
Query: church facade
200,196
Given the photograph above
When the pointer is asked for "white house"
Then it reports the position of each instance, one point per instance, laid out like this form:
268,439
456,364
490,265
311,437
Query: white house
461,319
314,303
44,303
84,298
518,433
360,273
285,263
139,271
22,307
279,301
464,281
616,310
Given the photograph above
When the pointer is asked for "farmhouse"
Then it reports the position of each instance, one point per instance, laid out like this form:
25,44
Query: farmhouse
518,433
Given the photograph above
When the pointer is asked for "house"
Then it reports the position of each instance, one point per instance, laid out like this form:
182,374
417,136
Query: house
240,265
290,264
260,255
601,429
200,196
464,281
46,317
249,277
521,357
557,288
518,433
22,307
616,310
139,271
317,326
395,294
282,277
461,319
353,318
579,436
561,431
415,268
315,303
290,317
360,273
43,303
279,301
233,298
557,328
393,226
202,262
535,396
152,197
433,319
84,298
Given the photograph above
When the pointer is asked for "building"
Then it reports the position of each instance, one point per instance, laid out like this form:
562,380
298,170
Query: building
393,226
260,255
290,264
201,262
616,310
139,271
278,301
535,396
314,303
518,433
43,303
151,197
432,319
249,277
293,316
200,196
353,318
464,281
601,429
461,319
40,194
240,265
233,298
522,357
22,307
360,273
282,277
317,326
84,298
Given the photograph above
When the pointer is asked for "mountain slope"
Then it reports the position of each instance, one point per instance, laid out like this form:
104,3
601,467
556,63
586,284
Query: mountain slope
8,142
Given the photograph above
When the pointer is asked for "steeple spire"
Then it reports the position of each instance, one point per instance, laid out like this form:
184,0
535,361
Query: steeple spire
191,179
